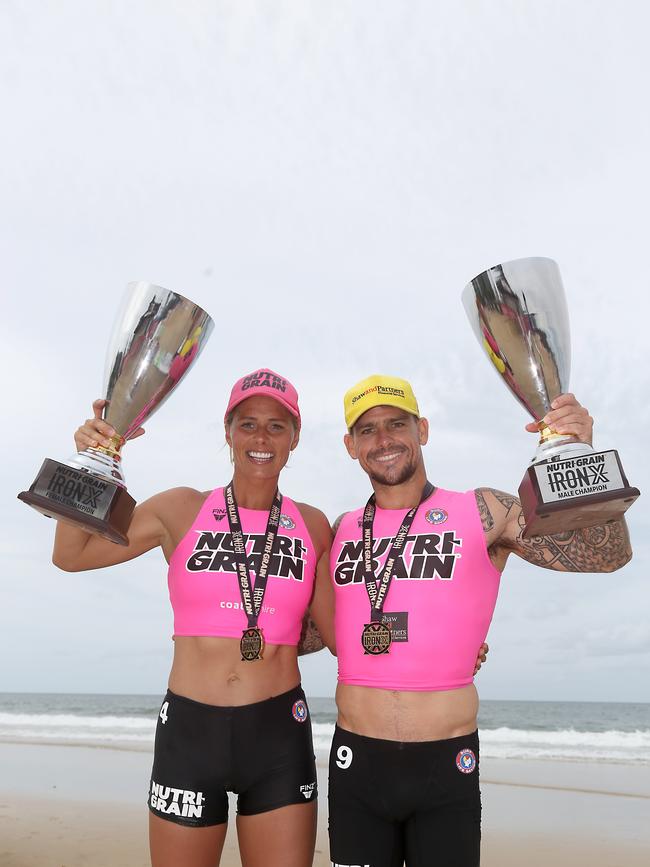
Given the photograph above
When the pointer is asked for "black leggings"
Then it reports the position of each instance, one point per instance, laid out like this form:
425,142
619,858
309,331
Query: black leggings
392,802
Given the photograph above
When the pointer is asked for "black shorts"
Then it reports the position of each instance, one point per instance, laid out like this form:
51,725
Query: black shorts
261,751
392,802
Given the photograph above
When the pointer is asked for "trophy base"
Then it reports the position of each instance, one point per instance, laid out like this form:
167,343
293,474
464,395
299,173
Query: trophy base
95,504
563,494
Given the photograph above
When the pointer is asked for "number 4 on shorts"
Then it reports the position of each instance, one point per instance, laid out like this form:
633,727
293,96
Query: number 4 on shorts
163,712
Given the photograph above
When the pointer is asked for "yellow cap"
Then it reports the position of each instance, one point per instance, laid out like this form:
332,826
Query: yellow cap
378,390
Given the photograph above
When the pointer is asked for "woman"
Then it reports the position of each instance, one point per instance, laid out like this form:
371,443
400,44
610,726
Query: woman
235,718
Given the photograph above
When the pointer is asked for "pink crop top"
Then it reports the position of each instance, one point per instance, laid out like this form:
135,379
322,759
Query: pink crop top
203,586
439,604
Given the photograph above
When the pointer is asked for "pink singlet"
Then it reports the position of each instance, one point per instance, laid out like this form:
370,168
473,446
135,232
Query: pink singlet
203,586
439,604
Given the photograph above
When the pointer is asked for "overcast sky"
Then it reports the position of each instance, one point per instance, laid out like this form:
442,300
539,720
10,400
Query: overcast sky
323,178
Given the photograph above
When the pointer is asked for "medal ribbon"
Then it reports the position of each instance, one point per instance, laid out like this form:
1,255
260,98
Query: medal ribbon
252,598
377,595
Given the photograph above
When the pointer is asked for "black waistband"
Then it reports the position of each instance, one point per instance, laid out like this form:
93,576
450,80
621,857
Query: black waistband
294,694
471,740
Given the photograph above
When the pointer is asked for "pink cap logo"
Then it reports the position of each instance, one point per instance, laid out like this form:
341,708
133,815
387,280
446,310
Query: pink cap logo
267,383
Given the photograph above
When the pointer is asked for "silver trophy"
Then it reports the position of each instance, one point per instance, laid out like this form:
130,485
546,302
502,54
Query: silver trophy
157,337
518,313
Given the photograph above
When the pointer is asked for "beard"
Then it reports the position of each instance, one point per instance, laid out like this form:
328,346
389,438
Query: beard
397,476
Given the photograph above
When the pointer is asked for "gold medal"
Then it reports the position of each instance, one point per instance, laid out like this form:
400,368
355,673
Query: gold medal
376,638
251,644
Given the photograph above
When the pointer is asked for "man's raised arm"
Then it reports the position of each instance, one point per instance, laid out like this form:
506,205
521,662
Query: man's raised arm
590,549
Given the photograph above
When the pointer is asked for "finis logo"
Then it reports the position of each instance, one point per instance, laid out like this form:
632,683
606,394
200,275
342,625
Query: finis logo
308,790
176,802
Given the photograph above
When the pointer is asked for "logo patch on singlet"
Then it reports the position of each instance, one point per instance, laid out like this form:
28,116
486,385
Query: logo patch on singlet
436,516
287,523
466,761
219,514
299,711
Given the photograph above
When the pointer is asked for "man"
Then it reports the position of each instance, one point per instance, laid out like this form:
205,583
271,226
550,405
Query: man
416,576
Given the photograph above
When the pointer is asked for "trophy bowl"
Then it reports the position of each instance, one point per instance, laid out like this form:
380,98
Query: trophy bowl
518,313
157,337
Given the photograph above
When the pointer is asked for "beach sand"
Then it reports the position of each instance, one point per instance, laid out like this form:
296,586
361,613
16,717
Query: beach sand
84,807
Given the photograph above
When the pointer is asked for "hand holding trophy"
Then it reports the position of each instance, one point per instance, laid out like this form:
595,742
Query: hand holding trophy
518,312
157,337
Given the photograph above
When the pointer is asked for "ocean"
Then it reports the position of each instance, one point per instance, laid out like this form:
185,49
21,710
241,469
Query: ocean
583,731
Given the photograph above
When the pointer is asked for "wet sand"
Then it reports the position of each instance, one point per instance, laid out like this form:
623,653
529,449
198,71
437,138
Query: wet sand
84,807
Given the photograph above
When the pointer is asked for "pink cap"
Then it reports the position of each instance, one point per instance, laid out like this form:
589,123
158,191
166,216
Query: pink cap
267,383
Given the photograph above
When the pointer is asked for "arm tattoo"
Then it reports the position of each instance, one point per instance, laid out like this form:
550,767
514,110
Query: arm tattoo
590,549
486,515
310,640
506,500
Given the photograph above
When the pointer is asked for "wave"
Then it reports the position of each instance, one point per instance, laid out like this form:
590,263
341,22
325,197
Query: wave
499,743
64,728
611,745
322,733
567,744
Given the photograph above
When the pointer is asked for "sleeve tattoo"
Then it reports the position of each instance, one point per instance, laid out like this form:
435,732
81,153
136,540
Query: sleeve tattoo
590,549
